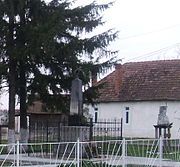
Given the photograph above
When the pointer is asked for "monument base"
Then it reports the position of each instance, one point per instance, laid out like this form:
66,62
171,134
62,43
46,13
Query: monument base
163,130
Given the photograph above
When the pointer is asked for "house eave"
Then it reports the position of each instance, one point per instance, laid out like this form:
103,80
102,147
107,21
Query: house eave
137,100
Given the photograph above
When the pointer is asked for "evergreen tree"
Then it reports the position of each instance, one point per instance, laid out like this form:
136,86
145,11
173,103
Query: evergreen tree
8,58
42,44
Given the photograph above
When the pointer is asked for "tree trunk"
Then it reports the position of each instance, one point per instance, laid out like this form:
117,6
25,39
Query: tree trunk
23,92
23,111
12,92
12,76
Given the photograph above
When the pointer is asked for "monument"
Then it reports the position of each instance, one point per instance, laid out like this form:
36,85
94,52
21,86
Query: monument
78,130
162,129
162,117
76,103
76,97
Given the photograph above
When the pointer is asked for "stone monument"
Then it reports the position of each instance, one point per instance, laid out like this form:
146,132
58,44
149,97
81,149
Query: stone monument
162,129
162,117
76,97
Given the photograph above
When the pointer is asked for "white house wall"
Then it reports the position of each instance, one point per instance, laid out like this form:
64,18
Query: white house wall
142,116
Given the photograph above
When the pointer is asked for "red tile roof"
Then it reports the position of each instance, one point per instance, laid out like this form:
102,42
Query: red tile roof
142,81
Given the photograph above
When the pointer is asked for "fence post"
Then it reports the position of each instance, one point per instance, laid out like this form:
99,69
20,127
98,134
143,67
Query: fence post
17,153
160,151
91,130
47,130
121,128
78,153
123,152
0,134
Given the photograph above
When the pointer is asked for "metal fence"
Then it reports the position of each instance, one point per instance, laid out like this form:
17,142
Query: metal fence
121,153
58,131
106,129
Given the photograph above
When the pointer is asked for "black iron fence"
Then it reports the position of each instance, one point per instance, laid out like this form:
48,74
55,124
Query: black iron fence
106,129
41,131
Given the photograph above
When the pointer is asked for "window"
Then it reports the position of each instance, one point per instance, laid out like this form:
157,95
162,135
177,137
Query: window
127,115
95,116
95,113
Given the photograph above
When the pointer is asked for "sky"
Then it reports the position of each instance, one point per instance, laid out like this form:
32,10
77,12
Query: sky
148,30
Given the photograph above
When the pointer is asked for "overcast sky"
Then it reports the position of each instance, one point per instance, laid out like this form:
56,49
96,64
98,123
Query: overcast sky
148,30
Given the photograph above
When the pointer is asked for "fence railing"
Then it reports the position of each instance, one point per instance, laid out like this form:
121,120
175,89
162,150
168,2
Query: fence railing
121,153
58,132
106,129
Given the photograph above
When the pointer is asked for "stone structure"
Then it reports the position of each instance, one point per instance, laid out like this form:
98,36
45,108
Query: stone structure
162,129
76,97
162,117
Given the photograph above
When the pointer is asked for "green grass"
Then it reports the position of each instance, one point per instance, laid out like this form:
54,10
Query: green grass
4,142
91,164
7,163
104,138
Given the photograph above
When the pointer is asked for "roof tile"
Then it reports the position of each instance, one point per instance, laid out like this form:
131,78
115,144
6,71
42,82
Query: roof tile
135,81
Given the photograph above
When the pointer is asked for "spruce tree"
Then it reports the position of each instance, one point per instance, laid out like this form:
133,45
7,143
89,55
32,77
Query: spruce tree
42,44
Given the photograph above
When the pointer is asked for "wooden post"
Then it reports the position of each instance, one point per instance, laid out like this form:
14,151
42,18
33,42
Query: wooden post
169,133
165,135
160,132
156,132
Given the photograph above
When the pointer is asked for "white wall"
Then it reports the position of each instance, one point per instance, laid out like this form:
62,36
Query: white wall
142,116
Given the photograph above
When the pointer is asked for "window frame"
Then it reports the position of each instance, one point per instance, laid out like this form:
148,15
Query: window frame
127,116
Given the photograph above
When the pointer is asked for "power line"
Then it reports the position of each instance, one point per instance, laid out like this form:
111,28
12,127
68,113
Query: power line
155,52
150,32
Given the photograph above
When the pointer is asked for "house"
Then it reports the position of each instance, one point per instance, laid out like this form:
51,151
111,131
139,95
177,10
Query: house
36,113
135,91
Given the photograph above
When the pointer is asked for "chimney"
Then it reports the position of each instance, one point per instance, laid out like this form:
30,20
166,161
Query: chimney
118,66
